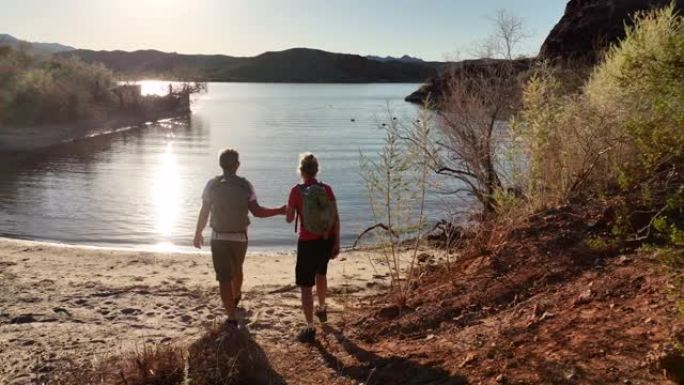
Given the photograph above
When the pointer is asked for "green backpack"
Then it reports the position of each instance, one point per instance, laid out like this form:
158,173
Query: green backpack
318,210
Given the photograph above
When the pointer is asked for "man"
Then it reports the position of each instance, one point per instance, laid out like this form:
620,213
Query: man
319,239
229,198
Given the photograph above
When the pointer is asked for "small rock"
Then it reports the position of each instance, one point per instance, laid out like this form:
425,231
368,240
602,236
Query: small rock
61,310
470,357
623,260
546,315
130,310
23,319
571,375
500,379
584,297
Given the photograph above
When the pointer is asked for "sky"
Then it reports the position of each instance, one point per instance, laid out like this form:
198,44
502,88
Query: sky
429,29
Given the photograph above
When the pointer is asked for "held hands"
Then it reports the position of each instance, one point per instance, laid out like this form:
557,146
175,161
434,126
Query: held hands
198,241
282,210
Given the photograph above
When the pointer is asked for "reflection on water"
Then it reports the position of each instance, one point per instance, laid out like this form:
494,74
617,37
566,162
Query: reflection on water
143,186
166,190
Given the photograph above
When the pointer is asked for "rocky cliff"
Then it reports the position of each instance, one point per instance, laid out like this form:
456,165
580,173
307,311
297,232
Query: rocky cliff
589,26
586,28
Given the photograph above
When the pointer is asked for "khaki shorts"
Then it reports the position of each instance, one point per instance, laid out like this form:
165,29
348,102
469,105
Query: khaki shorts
228,257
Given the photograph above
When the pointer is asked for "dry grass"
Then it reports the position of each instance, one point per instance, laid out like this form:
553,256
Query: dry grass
161,364
229,358
217,358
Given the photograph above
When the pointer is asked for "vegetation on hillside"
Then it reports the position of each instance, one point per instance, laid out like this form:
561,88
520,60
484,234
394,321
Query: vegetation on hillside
621,135
36,90
583,199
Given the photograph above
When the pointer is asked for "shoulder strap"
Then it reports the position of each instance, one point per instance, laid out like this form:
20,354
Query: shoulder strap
300,187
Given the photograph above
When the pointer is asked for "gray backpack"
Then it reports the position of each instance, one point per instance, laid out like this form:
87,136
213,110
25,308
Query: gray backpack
230,200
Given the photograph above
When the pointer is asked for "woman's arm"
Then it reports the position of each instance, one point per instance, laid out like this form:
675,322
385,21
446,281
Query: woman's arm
291,207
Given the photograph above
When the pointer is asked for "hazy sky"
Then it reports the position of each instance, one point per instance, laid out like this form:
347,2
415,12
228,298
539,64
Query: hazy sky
431,29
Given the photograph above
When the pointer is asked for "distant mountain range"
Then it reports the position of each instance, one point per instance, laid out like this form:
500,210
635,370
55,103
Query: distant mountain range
296,65
38,48
403,59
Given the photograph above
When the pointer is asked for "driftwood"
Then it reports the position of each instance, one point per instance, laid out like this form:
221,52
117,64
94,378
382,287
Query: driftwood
368,230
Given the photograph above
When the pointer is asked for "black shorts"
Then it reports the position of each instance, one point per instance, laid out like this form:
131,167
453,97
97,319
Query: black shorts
312,259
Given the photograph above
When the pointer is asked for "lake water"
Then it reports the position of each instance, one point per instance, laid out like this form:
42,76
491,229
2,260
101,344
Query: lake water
143,186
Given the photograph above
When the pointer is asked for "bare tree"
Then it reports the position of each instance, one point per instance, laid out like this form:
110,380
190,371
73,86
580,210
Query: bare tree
471,120
507,35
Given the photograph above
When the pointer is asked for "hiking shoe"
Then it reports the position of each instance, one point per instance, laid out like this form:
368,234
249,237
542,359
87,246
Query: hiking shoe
230,324
237,299
322,314
307,335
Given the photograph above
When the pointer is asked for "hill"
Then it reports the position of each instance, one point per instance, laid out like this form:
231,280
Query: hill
33,47
293,65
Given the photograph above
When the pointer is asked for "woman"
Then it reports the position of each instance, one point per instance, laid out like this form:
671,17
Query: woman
312,204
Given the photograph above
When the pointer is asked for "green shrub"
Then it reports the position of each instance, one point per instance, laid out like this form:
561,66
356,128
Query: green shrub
642,81
568,143
623,132
35,90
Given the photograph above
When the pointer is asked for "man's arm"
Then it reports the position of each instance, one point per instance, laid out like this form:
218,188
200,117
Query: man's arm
202,220
265,212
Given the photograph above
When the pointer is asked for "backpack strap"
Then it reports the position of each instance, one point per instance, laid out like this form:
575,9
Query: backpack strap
300,187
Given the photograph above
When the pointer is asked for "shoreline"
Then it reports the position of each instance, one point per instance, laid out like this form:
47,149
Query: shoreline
165,248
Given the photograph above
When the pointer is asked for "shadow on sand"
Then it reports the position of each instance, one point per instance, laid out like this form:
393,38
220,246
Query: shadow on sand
376,370
233,357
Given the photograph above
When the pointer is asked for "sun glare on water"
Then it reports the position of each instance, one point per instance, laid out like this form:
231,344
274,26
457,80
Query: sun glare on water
166,192
154,87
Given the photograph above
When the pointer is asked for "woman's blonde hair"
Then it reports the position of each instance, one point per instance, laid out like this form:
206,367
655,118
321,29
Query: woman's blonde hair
308,164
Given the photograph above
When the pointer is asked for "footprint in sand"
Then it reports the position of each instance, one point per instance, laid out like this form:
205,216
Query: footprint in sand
130,311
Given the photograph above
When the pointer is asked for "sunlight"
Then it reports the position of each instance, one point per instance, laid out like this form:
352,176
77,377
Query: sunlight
166,192
154,87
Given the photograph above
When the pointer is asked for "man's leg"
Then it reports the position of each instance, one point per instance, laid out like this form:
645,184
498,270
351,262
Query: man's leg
321,289
237,284
228,299
307,304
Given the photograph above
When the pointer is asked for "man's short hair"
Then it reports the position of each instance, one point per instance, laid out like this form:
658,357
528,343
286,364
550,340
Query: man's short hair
308,164
229,158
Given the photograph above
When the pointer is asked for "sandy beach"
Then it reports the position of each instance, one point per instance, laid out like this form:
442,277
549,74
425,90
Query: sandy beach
62,302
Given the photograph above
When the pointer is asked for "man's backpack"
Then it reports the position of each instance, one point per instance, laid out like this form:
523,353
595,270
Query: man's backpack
230,204
318,210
